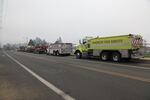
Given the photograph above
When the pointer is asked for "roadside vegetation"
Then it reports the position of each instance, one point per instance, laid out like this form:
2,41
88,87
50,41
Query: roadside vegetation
147,55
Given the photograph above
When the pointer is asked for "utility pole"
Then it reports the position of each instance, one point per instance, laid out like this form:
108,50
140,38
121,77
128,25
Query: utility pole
27,41
1,12
1,19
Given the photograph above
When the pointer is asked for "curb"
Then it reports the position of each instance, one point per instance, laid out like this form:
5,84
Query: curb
145,58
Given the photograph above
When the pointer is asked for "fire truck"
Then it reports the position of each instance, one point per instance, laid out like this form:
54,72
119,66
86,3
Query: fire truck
40,49
59,49
111,48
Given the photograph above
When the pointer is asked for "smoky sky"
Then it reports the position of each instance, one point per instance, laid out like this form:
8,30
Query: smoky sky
73,19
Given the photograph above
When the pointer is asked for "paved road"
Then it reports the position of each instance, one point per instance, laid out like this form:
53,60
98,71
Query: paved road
26,76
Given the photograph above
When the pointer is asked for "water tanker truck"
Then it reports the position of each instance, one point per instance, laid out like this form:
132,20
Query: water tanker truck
113,47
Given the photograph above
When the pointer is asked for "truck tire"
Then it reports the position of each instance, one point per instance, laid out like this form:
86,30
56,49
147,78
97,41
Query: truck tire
116,57
54,53
104,56
78,55
47,53
57,53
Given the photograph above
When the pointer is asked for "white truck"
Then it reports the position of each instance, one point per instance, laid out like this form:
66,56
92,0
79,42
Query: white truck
59,49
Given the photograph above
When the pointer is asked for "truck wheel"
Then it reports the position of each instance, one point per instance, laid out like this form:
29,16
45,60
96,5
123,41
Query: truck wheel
104,56
57,53
54,53
116,57
78,55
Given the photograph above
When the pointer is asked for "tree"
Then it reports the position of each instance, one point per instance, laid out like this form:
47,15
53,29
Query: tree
44,42
37,41
31,43
59,40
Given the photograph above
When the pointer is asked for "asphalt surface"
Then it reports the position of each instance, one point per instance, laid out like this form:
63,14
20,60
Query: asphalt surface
81,79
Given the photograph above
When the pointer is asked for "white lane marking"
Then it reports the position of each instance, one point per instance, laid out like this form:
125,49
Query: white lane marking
48,84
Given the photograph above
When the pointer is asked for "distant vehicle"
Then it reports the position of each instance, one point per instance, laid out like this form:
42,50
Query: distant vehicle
40,49
30,49
59,49
22,48
114,47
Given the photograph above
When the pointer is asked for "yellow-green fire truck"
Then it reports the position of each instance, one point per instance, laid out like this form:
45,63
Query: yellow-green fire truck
114,47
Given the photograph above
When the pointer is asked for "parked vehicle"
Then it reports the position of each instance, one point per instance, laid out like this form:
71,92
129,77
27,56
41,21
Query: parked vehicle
22,48
59,49
114,47
40,49
30,49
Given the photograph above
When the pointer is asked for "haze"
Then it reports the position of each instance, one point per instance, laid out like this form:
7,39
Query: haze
73,19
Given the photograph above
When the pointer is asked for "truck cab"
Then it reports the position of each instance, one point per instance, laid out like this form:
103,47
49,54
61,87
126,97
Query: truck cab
83,47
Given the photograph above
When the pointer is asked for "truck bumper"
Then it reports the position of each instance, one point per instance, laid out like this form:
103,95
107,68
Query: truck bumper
137,56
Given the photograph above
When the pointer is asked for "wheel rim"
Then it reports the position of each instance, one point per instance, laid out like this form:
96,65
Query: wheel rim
57,53
54,53
78,55
115,58
104,57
